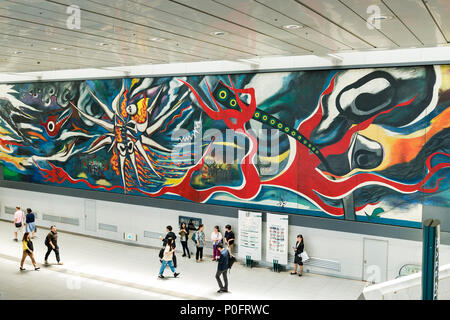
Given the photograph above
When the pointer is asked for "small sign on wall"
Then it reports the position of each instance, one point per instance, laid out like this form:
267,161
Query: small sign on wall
130,236
191,223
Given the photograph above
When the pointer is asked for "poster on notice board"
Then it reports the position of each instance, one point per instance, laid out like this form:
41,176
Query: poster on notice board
277,238
249,236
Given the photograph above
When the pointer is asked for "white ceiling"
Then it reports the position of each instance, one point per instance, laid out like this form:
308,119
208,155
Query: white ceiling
34,35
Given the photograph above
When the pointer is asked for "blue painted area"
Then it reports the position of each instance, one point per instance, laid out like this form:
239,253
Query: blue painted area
395,222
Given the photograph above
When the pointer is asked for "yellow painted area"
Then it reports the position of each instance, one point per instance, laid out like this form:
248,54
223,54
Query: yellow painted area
133,82
403,148
16,161
141,116
173,181
82,175
445,74
276,159
103,182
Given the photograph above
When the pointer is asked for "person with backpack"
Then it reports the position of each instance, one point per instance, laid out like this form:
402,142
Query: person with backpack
222,268
30,225
51,242
167,257
28,250
199,239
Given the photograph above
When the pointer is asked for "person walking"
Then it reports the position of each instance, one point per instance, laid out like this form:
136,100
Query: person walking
229,238
222,268
170,235
167,259
184,236
51,241
28,250
30,225
199,239
216,238
19,220
298,249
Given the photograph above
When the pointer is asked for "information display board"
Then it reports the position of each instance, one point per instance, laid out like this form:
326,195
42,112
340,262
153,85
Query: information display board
249,236
277,238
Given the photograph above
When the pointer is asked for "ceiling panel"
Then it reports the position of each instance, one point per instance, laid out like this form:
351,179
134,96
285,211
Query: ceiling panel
277,20
237,13
343,23
394,29
440,10
163,24
95,31
414,14
136,32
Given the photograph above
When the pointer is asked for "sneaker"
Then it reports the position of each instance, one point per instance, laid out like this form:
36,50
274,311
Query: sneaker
37,268
219,291
223,290
183,255
293,273
16,240
46,262
176,274
22,268
161,276
299,274
60,263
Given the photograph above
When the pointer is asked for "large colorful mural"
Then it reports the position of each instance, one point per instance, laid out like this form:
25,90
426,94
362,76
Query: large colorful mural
366,143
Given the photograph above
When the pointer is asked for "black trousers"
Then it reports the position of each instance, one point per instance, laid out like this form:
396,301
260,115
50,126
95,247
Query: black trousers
199,253
185,248
49,250
225,279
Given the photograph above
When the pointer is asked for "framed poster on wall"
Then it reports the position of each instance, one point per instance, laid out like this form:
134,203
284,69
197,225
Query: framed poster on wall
191,222
277,238
249,236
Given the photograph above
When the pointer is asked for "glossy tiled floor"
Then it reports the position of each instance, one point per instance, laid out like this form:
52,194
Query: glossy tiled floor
96,269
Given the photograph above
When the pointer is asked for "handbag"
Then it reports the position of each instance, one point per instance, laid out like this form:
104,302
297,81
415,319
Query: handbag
19,225
304,256
161,253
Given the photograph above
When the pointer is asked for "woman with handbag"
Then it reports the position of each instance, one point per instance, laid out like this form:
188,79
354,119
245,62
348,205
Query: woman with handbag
167,256
27,245
216,238
298,249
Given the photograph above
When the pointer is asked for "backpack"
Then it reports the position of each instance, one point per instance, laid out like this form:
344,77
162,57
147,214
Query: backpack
193,237
231,261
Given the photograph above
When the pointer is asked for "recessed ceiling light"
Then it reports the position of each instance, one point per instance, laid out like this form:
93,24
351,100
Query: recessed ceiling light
218,33
102,44
157,39
292,26
57,49
383,18
18,52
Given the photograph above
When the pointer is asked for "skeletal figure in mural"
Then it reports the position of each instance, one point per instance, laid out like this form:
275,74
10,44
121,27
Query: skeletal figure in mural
130,129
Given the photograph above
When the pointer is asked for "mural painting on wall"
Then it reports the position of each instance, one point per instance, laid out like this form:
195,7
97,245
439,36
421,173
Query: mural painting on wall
301,142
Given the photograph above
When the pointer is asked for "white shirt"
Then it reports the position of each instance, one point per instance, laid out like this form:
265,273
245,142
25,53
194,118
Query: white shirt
167,254
19,216
216,237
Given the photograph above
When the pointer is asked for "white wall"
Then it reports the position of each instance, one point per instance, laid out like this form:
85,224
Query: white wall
345,248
